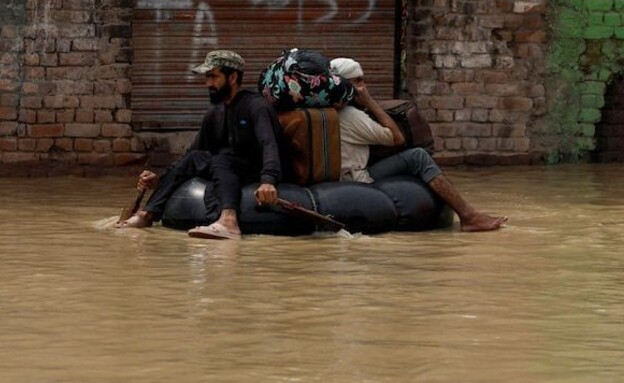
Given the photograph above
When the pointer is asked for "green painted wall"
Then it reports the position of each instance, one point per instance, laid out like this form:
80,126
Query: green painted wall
586,52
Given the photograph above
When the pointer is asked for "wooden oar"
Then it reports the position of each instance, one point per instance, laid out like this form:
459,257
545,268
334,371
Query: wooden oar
315,217
128,212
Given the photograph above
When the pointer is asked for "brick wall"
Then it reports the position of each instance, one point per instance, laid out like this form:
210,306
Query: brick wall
500,81
65,86
586,53
475,69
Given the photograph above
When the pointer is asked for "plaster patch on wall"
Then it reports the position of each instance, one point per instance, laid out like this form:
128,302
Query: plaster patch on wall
527,6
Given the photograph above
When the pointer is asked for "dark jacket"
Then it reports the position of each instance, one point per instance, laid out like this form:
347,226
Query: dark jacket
249,128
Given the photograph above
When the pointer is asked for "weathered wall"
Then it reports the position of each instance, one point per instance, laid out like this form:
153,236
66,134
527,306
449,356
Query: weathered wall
585,55
501,82
476,70
65,86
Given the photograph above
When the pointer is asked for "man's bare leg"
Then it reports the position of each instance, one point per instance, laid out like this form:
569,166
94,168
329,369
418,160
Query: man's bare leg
229,219
141,218
470,219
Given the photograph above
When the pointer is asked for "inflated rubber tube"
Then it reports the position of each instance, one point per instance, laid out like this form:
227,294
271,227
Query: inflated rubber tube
194,204
418,208
363,208
401,203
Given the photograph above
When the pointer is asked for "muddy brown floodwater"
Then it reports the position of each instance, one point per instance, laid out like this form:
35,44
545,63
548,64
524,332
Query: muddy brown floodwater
541,300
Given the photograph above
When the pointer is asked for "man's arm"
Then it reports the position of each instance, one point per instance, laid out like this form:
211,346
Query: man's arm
264,128
363,98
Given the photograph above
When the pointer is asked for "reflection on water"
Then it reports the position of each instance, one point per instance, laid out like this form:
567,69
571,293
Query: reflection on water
540,300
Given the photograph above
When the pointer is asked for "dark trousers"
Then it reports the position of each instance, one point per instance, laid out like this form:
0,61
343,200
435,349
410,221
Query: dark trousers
225,169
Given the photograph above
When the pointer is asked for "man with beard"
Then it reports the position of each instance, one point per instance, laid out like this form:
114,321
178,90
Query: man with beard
235,145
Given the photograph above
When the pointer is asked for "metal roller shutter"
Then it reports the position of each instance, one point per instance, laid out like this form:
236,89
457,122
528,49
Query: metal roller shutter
172,36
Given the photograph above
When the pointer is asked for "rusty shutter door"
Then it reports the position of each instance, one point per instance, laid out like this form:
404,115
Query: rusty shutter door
172,36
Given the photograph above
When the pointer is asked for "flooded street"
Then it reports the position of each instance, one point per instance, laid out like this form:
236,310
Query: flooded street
541,300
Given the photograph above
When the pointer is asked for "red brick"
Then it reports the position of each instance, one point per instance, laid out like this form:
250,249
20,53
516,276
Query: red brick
72,17
102,146
8,85
46,130
443,130
34,73
8,113
76,30
32,102
98,102
48,59
103,116
457,75
84,115
516,103
8,144
26,144
116,130
77,59
481,101
19,157
113,71
44,145
505,5
67,115
467,88
513,21
83,145
74,87
67,73
530,36
8,128
30,59
534,21
83,130
121,145
452,144
529,50
45,116
473,129
28,116
9,100
508,89
66,144
447,102
104,88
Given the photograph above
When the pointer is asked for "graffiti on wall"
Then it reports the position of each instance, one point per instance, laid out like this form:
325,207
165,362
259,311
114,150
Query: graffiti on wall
205,29
203,9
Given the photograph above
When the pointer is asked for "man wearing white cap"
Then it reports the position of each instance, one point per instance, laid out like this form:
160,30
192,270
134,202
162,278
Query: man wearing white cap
236,144
358,131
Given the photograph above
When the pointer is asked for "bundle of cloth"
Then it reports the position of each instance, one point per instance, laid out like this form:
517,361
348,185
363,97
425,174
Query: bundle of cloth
301,78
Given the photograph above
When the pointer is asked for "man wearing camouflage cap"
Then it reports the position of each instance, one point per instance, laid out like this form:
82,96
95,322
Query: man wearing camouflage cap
236,144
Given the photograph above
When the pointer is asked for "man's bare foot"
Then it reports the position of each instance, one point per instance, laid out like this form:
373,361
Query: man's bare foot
214,231
139,219
481,222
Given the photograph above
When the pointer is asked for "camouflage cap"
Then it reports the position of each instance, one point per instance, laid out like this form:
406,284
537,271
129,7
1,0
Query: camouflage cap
220,58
